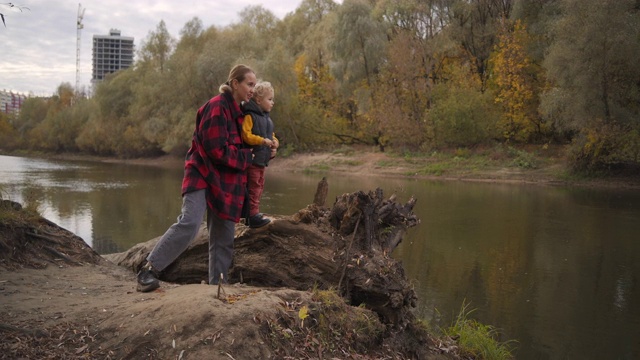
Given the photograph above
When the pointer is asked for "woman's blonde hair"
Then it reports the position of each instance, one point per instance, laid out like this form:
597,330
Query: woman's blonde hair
262,88
237,73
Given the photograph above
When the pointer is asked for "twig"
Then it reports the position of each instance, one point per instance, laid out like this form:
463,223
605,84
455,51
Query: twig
220,285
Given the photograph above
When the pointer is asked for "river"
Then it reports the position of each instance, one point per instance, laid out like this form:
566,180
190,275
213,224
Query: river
555,268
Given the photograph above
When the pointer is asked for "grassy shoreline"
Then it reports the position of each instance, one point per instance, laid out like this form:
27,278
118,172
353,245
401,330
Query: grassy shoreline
533,165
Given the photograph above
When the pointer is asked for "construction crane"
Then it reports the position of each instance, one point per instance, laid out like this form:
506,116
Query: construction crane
80,26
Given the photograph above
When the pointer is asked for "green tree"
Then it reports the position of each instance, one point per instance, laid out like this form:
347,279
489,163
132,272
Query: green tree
165,99
462,115
33,112
406,81
278,68
254,35
317,121
263,24
300,29
358,45
53,133
182,94
592,62
594,89
157,47
475,25
220,52
358,49
8,134
315,116
114,131
537,17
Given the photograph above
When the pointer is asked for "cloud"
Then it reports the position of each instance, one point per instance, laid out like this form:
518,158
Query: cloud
38,46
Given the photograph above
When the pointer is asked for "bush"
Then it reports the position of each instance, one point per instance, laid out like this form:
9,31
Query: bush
603,148
522,159
463,117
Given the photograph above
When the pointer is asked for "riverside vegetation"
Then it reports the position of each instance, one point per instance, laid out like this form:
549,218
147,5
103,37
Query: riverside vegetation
480,74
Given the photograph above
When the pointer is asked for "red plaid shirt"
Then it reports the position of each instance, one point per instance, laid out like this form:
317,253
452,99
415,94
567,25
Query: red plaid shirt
217,159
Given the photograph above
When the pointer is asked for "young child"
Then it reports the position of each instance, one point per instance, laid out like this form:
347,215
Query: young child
257,131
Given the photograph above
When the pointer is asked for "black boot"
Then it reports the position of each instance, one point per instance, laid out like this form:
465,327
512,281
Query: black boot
148,279
257,221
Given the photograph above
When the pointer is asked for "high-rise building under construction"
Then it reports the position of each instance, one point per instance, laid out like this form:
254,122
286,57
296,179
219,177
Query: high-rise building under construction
111,53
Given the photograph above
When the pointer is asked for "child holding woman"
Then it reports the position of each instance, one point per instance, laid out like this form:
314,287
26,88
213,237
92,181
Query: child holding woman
257,131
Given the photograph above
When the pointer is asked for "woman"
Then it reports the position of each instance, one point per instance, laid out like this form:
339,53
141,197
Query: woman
214,176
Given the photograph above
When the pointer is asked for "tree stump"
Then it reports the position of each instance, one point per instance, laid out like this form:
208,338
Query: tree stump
346,247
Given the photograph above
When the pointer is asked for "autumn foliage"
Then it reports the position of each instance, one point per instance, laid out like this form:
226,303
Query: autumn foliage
396,74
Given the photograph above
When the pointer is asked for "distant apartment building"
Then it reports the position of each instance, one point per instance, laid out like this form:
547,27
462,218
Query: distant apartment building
111,53
11,102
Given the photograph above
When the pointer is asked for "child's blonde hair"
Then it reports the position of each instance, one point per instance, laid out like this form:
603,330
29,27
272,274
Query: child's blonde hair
262,89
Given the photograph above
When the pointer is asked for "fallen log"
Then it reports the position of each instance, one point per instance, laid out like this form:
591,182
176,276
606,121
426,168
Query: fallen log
346,247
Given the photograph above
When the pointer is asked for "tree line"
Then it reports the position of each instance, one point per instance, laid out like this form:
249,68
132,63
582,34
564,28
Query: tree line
411,75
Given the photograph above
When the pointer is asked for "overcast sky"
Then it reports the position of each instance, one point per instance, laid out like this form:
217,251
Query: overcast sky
38,46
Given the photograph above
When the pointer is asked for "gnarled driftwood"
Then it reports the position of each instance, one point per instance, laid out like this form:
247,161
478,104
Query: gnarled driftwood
346,247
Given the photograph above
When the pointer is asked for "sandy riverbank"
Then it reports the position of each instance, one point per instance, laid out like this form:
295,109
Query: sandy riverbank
549,166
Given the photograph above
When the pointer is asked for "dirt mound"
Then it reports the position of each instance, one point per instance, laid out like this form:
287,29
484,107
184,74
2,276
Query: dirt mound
30,241
61,300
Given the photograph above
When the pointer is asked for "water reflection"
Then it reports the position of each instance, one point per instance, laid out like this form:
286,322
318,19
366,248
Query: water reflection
556,268
111,206
539,261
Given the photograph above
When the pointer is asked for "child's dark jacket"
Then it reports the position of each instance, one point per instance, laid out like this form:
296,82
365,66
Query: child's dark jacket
256,127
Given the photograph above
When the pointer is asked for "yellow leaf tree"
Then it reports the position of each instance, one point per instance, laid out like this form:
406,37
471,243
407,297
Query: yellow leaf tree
515,82
322,111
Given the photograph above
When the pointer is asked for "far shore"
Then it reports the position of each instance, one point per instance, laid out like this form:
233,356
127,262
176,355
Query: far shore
549,167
